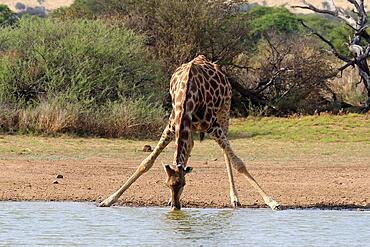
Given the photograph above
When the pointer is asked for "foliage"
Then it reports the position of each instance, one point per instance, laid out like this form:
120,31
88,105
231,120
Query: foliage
176,30
88,9
74,74
78,61
266,19
288,74
6,15
348,88
81,77
179,30
335,31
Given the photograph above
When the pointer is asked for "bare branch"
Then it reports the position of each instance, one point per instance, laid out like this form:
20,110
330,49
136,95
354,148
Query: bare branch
272,79
337,12
313,8
360,54
336,53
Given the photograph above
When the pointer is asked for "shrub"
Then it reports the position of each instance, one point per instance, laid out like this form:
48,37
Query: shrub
263,20
79,61
177,30
289,74
78,77
84,9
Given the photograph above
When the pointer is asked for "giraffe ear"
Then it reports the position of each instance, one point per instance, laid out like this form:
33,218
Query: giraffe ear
169,170
188,169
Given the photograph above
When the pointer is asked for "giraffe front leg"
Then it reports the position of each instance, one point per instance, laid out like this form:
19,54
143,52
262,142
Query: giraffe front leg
233,193
145,165
219,136
240,167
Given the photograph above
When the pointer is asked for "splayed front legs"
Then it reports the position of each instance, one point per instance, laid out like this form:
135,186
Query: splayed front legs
145,165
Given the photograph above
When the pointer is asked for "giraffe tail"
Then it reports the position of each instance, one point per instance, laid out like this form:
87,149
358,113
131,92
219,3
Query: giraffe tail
201,136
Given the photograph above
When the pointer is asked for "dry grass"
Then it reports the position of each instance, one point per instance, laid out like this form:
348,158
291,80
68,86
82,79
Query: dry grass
131,119
48,118
348,88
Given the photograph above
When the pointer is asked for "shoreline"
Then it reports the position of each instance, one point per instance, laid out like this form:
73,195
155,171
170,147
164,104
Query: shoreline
329,207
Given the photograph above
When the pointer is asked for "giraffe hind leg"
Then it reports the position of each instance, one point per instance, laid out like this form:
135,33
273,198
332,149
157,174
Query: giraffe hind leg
218,134
145,165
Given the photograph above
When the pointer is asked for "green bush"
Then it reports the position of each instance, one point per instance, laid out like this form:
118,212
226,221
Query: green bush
84,9
177,30
180,30
263,20
78,76
79,61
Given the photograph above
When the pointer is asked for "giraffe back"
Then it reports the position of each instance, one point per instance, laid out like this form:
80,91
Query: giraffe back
200,95
201,90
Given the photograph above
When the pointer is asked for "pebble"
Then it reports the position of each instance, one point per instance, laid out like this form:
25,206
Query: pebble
55,182
59,176
147,148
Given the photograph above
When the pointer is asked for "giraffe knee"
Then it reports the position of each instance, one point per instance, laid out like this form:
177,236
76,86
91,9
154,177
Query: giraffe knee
145,165
238,164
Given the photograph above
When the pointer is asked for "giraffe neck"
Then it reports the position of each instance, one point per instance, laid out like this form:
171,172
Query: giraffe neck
183,108
195,92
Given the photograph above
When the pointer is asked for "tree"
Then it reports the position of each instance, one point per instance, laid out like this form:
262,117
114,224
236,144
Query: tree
359,44
287,74
266,19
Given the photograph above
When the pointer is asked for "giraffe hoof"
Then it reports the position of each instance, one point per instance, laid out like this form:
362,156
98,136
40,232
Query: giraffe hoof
102,204
106,203
278,208
236,204
274,205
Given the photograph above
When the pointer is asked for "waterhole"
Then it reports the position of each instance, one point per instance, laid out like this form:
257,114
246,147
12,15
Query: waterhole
84,224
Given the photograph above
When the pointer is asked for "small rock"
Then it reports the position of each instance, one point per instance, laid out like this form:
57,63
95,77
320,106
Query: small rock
215,159
55,182
59,176
147,148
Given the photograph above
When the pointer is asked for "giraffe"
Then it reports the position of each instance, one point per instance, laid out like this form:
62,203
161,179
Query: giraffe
201,99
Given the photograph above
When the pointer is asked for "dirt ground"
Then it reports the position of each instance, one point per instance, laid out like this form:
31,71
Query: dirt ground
295,174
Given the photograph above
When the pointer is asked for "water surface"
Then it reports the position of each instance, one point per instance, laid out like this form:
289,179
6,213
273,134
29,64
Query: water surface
84,224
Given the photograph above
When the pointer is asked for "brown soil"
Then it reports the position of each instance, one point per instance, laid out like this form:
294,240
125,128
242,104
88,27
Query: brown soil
294,183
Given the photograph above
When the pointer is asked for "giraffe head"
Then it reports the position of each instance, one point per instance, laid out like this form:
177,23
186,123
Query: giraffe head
176,182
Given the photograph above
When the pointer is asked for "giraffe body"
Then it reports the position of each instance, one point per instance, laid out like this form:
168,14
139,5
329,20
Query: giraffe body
201,99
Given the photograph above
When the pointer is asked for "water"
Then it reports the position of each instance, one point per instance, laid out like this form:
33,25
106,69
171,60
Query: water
84,224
